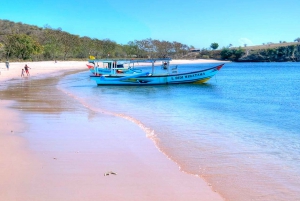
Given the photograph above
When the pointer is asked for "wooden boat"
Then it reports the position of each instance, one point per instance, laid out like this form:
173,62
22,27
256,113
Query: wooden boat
114,75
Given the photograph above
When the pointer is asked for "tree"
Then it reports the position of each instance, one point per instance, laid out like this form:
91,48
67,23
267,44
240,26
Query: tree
98,48
297,40
22,46
214,46
237,53
1,49
86,47
131,49
120,51
179,49
69,43
59,44
167,47
232,54
108,47
52,43
226,53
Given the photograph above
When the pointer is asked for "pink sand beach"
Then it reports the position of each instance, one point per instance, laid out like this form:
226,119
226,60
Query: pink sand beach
54,148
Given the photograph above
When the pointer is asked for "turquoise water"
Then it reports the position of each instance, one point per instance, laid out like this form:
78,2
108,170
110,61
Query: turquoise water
239,131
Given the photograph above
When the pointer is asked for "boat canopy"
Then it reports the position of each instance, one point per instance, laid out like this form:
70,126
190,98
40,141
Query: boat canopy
130,60
113,63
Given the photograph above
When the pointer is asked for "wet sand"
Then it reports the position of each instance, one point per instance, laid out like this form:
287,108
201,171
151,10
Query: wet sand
54,148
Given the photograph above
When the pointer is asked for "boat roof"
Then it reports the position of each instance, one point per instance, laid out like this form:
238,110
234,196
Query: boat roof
130,60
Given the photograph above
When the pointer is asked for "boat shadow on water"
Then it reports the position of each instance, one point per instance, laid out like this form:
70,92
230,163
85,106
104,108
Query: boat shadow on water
155,89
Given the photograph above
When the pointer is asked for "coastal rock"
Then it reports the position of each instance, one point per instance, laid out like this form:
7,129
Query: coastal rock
110,172
253,58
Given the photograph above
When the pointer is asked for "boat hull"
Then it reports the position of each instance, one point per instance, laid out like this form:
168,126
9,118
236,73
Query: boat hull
142,79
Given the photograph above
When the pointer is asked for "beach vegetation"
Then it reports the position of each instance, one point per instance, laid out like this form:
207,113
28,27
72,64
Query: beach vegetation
130,49
214,46
70,44
297,40
52,45
55,44
226,53
96,49
84,48
205,57
21,46
22,42
237,53
108,48
232,53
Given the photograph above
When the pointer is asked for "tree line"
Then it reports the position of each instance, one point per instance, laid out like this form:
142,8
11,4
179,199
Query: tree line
23,42
20,41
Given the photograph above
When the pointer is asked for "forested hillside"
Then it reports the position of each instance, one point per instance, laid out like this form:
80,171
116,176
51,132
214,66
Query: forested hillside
20,41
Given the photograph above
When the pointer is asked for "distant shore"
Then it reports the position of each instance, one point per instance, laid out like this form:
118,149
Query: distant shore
53,150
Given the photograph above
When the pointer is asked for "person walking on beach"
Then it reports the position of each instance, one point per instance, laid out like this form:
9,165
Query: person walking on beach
7,64
22,73
26,69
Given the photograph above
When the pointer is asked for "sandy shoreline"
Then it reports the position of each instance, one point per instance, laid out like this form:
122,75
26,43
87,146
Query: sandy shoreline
39,69
51,68
49,155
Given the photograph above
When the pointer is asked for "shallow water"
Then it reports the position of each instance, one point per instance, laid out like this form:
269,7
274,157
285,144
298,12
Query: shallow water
239,131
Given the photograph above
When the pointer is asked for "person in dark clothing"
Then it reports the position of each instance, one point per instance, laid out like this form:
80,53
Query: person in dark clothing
7,64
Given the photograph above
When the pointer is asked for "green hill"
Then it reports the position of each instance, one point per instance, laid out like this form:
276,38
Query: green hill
20,41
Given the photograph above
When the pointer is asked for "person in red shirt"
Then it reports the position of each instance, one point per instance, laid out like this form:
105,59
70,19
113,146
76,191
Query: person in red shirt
26,69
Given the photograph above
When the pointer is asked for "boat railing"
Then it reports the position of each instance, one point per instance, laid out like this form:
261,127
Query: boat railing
130,60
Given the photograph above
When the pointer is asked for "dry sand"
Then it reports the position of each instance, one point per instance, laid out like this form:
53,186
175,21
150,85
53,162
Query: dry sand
61,151
39,69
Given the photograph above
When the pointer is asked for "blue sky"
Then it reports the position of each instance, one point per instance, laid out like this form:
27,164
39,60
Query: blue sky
192,22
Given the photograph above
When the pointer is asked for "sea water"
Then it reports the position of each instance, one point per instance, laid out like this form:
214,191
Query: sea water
240,131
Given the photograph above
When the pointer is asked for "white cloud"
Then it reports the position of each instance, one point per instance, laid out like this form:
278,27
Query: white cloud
243,41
